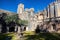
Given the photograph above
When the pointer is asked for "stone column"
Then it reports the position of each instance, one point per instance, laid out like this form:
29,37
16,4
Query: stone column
27,28
52,28
7,29
16,28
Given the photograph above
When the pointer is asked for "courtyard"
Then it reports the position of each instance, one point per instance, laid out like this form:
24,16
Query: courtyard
31,36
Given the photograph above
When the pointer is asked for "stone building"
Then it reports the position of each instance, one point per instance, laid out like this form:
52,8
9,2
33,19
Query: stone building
20,10
3,27
26,14
49,18
52,17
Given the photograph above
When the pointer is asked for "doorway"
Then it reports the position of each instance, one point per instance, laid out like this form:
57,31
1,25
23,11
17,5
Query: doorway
11,29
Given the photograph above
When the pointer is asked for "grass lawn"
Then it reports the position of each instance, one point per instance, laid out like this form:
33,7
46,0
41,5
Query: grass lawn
28,35
41,36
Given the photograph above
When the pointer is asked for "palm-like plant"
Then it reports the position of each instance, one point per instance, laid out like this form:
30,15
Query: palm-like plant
15,19
23,22
10,18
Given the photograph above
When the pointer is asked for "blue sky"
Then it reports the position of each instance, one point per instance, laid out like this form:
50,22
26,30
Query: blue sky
12,5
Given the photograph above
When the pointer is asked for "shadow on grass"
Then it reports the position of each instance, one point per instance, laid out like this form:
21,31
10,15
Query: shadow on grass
43,36
5,37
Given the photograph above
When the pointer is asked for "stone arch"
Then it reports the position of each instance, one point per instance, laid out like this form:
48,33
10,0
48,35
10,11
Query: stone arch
11,29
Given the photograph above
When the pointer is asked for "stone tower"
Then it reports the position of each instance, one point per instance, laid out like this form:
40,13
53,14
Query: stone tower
31,11
20,11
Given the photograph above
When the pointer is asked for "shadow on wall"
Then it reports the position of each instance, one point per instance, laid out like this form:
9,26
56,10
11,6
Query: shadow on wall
4,25
40,29
2,22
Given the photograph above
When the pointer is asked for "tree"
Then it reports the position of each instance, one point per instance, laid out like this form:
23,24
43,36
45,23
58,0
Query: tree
15,19
22,22
2,22
11,18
